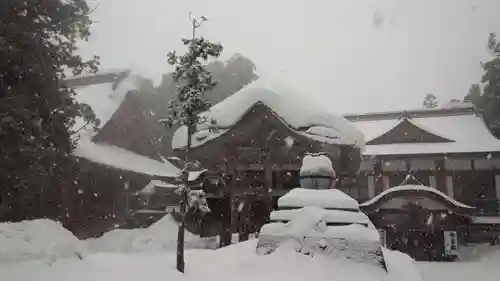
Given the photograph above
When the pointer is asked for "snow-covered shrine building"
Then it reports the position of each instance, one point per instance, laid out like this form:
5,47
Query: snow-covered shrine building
257,143
448,164
118,158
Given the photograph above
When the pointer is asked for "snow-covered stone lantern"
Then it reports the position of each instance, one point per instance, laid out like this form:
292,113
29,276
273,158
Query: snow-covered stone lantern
317,172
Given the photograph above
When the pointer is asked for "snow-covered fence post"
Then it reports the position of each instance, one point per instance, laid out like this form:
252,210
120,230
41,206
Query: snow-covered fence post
192,80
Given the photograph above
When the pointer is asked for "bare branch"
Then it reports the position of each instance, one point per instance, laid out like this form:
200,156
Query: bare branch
81,128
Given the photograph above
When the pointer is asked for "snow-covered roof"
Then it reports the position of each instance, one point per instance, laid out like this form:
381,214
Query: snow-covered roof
123,159
467,131
298,115
329,216
323,198
104,102
319,165
194,175
411,187
154,184
103,99
485,219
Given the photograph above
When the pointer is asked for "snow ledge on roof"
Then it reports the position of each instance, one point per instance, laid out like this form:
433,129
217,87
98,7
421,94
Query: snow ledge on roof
415,188
122,159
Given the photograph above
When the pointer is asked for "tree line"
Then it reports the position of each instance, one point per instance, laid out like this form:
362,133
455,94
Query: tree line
485,96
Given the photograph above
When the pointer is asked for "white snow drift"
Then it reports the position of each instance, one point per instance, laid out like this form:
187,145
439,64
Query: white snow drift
159,237
236,262
42,240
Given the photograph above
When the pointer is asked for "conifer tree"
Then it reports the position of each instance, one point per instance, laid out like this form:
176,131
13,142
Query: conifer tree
430,101
37,113
491,80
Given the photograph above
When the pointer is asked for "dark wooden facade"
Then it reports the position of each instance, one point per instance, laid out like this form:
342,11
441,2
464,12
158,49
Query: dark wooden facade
257,167
102,198
415,220
468,176
472,178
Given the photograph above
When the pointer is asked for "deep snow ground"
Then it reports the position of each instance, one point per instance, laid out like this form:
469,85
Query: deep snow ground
42,250
237,262
486,267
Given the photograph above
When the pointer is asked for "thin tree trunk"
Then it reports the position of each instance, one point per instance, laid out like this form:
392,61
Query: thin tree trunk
184,198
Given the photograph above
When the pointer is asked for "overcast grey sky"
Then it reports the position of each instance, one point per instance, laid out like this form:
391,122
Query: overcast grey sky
346,55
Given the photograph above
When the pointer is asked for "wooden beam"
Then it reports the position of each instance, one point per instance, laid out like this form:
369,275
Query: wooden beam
262,167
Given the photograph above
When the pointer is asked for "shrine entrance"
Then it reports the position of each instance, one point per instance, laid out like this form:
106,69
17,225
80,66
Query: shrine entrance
419,222
420,244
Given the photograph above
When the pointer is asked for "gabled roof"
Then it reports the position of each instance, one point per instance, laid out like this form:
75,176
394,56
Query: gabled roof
105,94
462,126
299,116
406,131
415,189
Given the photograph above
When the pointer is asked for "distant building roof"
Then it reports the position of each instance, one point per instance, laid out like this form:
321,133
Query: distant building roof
460,127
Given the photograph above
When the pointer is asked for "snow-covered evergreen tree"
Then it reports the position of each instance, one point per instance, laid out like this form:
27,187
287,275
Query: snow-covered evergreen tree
430,101
193,81
491,79
37,113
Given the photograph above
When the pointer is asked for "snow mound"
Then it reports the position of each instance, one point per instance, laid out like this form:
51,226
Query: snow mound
310,222
492,256
411,187
310,122
308,234
42,240
323,198
236,262
401,266
159,237
317,165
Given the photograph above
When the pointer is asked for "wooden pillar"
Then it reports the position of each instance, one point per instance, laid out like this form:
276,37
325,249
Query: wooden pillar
497,185
126,193
244,216
268,174
449,186
386,182
378,176
226,232
371,187
441,175
432,181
